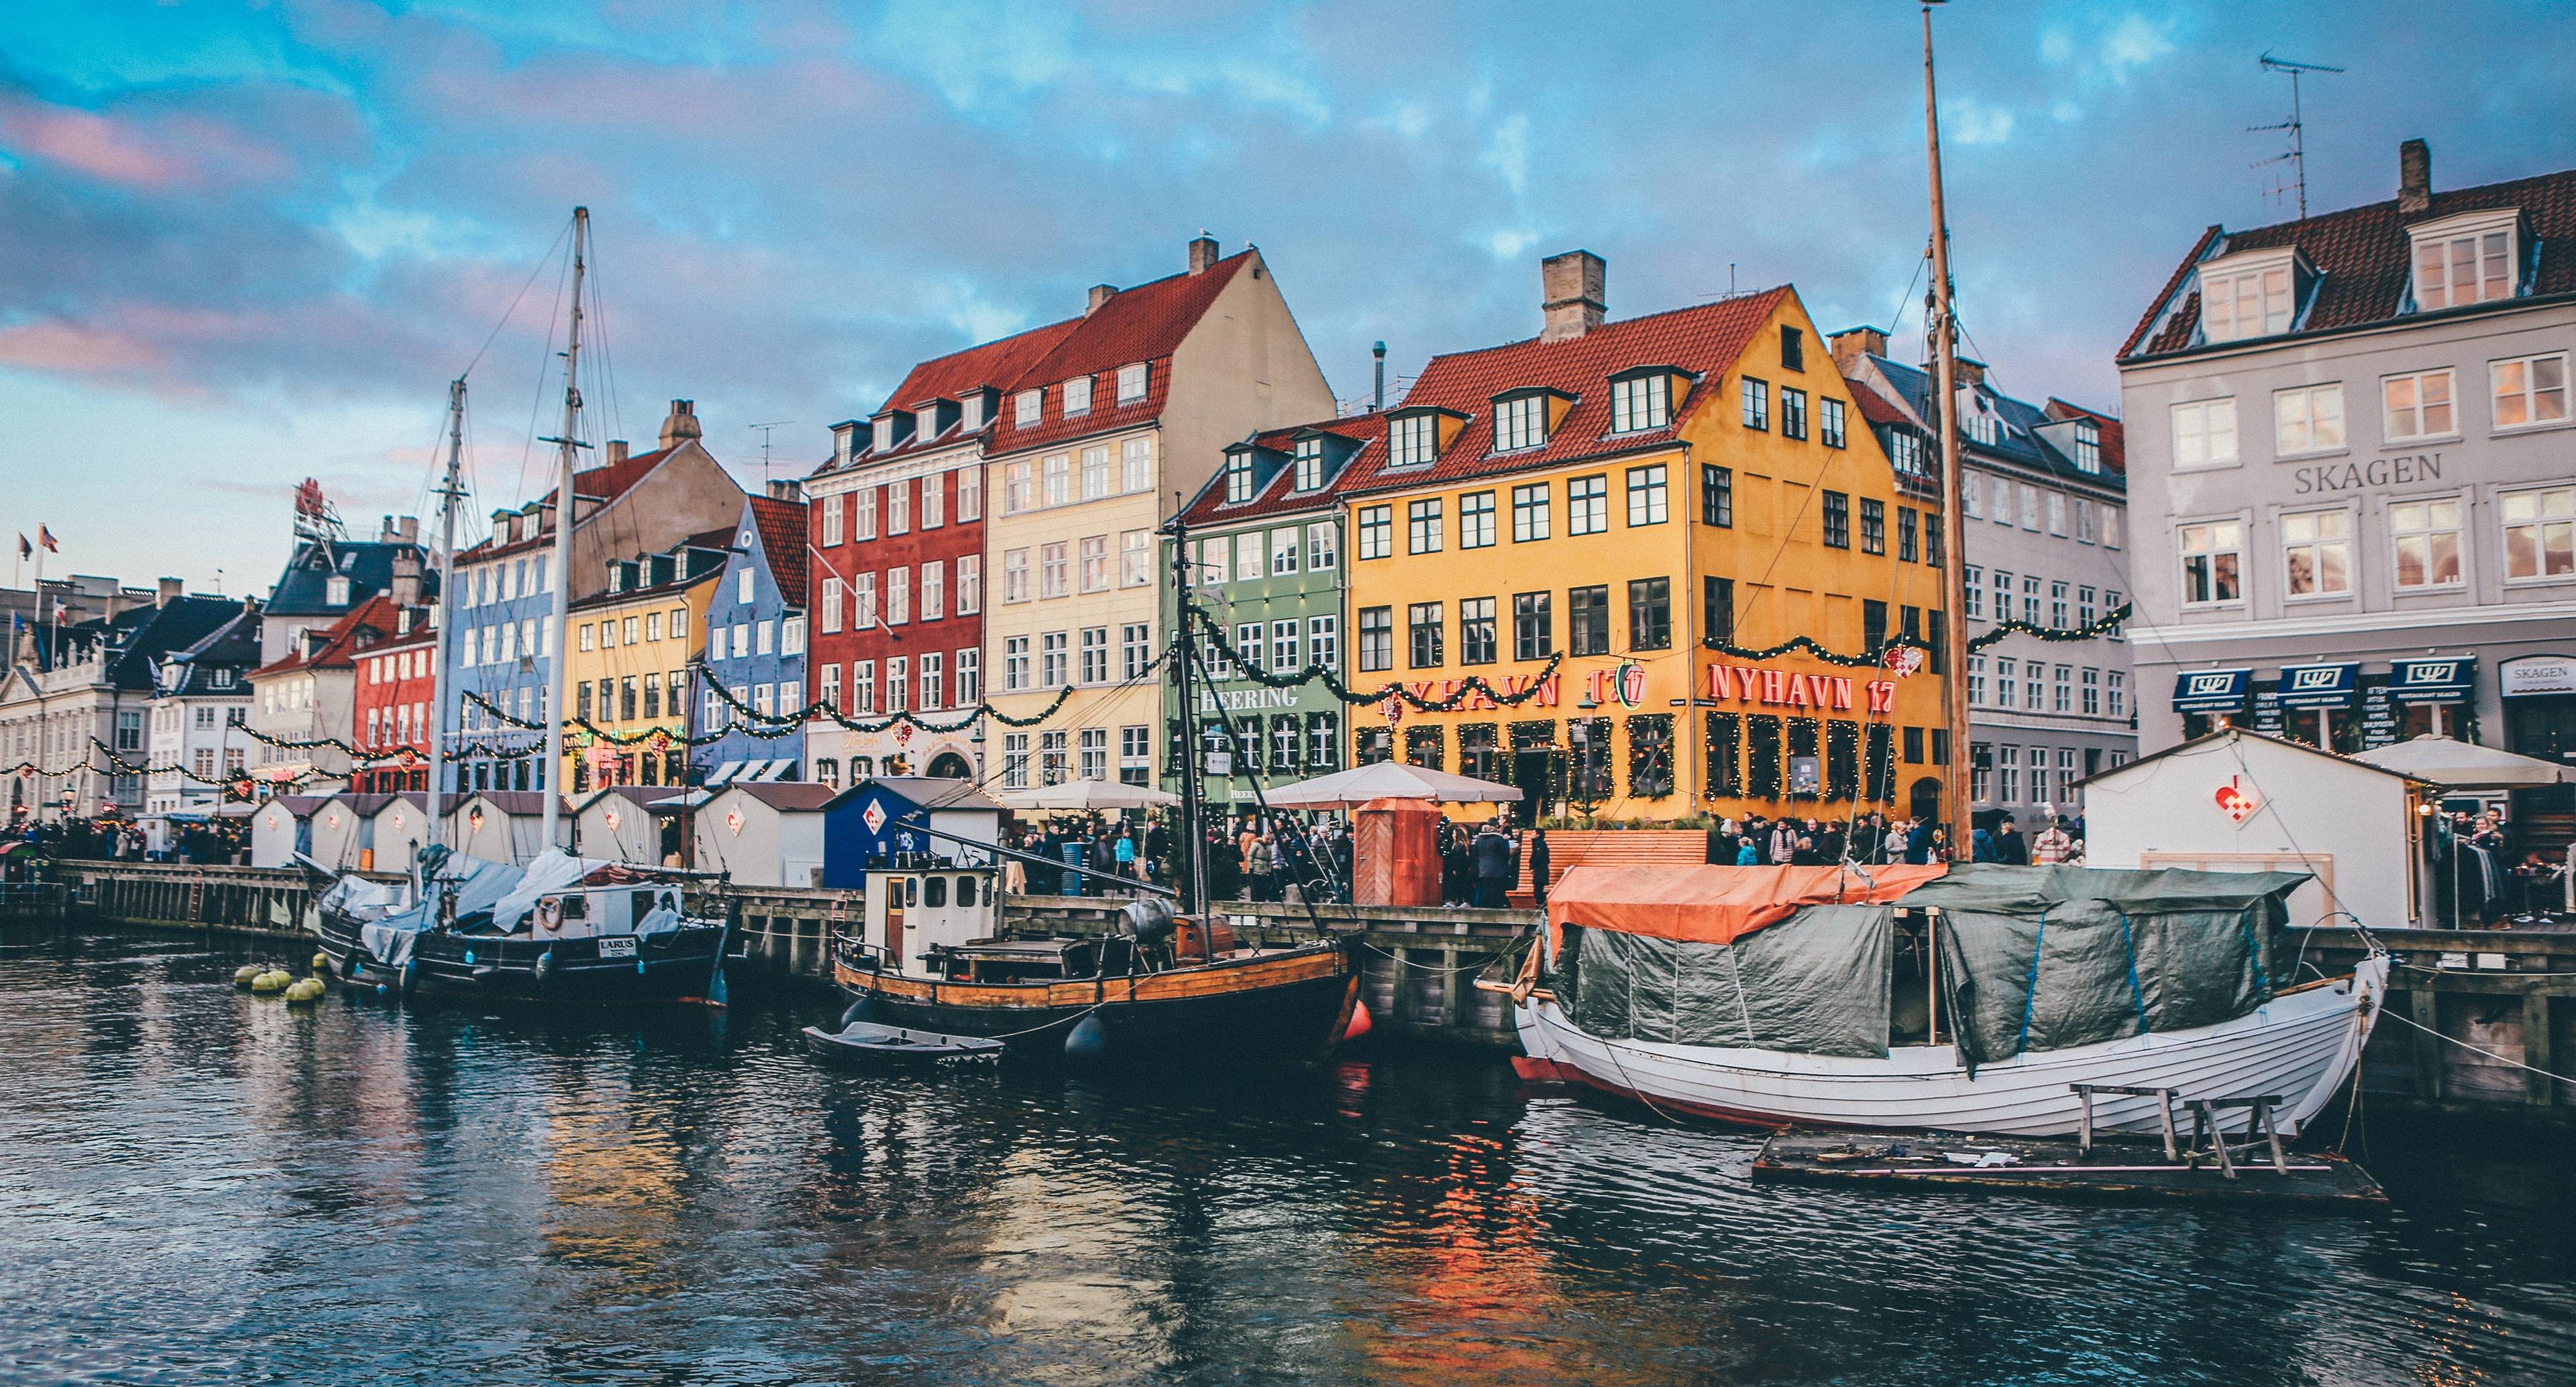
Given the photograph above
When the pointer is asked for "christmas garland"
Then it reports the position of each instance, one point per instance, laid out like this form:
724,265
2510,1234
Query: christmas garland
2110,621
1472,685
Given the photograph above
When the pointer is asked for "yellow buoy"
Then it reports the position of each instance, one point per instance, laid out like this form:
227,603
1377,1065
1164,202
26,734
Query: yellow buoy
274,981
304,990
322,961
243,976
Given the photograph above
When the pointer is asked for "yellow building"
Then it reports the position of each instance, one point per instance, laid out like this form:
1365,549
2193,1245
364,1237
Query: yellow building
632,647
1652,502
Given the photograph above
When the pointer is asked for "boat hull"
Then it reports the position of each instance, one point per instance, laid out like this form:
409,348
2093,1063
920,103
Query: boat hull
1289,1004
2301,1046
670,966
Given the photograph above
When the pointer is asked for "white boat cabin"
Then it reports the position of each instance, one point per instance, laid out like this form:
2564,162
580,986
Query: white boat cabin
911,913
594,911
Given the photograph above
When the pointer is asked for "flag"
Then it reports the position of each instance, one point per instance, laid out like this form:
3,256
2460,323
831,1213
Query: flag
45,537
24,548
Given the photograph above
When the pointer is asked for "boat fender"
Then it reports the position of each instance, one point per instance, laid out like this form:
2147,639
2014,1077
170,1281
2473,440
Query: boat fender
545,966
639,963
469,953
1360,1023
323,960
243,976
410,971
864,1009
1088,1040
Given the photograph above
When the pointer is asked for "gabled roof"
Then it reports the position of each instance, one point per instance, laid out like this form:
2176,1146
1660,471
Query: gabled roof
2363,260
2241,734
782,541
2019,443
993,365
1278,494
930,792
364,625
787,796
1146,323
233,645
719,541
602,484
1705,339
2115,435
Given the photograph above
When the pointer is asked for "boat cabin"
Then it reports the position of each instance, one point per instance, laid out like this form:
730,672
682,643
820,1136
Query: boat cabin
913,914
591,911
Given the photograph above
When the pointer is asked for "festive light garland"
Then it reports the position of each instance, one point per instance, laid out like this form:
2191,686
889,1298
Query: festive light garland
2110,621
1472,685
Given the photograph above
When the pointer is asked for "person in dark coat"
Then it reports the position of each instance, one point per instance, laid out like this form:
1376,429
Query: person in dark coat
1457,872
1339,853
1918,842
1538,865
2011,849
1224,866
1492,851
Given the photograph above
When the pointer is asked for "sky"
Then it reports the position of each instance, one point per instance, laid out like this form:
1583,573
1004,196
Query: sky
244,244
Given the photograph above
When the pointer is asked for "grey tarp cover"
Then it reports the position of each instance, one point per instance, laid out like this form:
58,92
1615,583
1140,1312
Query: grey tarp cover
477,885
2042,958
1814,984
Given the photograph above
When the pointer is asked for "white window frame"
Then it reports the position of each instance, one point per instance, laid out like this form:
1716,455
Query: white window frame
2406,421
2493,240
1323,546
2262,286
1132,381
2197,434
970,492
1076,396
2183,555
2316,539
1287,549
2299,425
2401,530
832,521
2530,399
1027,408
2544,521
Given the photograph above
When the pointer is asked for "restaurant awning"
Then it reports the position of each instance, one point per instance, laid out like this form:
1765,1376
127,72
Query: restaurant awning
2443,679
2211,690
2331,685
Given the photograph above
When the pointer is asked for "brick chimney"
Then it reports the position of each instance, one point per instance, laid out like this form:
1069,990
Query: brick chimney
1202,254
1853,343
1570,294
681,425
170,588
2414,177
1103,293
786,489
1971,372
618,451
406,583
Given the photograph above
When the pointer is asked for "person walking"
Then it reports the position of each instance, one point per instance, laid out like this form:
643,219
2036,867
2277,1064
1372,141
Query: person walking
1538,862
2011,849
1492,851
1261,866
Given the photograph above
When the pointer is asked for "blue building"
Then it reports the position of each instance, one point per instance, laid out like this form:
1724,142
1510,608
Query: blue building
755,648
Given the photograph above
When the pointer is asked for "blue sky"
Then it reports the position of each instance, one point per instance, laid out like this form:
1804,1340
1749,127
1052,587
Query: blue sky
243,244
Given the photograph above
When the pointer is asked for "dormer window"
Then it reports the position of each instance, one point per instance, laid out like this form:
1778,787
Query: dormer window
1410,440
925,421
2088,446
2254,294
1077,396
1310,464
1238,477
2466,259
1131,383
970,411
884,432
1641,400
1520,421
1027,407
335,590
844,440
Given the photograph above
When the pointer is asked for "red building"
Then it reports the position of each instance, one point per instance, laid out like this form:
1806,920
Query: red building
896,582
393,711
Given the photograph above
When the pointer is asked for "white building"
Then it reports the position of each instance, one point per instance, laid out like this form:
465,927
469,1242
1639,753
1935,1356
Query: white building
763,835
75,700
200,705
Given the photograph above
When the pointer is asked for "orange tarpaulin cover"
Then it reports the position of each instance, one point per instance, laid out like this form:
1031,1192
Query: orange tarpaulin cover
1714,905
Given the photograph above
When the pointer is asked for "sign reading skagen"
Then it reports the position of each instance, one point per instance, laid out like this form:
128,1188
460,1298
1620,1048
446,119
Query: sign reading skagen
2536,674
2324,478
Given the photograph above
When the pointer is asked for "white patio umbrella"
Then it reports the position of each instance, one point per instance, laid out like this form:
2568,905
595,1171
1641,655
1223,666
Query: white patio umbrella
1077,796
2464,765
1388,780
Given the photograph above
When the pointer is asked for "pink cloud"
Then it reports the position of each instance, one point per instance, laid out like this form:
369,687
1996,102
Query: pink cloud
90,143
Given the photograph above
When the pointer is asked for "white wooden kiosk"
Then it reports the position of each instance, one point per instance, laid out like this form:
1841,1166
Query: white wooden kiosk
504,826
2241,801
625,823
762,834
343,835
279,829
401,826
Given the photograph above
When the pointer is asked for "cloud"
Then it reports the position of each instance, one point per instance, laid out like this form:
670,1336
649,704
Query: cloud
89,144
1967,121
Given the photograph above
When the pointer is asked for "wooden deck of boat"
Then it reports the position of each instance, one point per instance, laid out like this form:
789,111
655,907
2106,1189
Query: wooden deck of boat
2114,1170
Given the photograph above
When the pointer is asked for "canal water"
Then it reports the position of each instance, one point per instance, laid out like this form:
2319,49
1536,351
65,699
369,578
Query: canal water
200,1186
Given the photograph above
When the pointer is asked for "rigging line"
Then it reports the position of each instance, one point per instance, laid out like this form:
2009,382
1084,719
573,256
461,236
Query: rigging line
997,766
604,372
538,269
2387,1015
545,368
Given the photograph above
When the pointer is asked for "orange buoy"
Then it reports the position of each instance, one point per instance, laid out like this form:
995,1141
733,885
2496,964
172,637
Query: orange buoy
1360,1023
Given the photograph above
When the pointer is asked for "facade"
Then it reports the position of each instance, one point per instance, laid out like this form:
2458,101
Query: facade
76,699
1658,500
635,503
331,575
310,695
755,624
1266,564
2043,543
902,499
391,710
2356,464
200,704
632,647
1096,442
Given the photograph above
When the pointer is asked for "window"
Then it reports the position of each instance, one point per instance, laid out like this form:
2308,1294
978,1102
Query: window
1058,473
831,521
2030,508
2416,406
2308,419
1476,636
1238,476
970,584
1409,440
1136,463
1650,614
1324,640
1015,760
1587,614
1422,526
1135,754
970,493
588,636
1907,525
1793,413
1533,626
2426,536
1076,394
1793,349
1716,495
898,509
898,599
1476,520
1905,453
1248,561
2084,531
2003,501
2092,692
2062,690
2539,533
2529,391
2084,611
2057,605
2057,514
2211,555
1055,570
1873,626
1757,404
1424,630
1051,758
1829,422
2030,598
2088,446
1019,491
2115,697
1647,503
2317,553
1095,563
2007,687
1520,422
791,629
1530,513
1135,649
1641,402
1837,520
1873,527
1310,464
1377,531
1323,547
1131,382
2249,303
1135,559
1095,655
1717,607
1095,473
1377,638
1976,681
1051,659
1027,407
2204,434
933,681
2452,271
1284,648
933,502
1587,505
831,688
1015,575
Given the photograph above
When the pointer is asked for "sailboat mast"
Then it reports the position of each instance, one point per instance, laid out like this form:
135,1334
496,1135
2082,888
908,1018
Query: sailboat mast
1957,800
1192,854
450,493
566,505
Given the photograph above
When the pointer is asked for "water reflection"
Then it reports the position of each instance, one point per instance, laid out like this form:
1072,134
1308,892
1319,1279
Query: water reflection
197,1180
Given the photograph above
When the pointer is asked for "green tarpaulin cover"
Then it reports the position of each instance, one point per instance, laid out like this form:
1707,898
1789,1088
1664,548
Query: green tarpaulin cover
1816,984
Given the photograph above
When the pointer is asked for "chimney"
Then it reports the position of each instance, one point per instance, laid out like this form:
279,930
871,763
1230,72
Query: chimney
1202,252
386,535
169,592
1853,343
785,489
1378,399
1570,294
2414,177
682,423
617,451
407,529
1971,372
406,584
1103,293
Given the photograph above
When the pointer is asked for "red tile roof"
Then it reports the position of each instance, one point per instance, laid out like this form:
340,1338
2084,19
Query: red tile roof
341,641
1141,324
994,365
2114,435
782,538
1278,496
602,484
2363,260
1705,339
1878,409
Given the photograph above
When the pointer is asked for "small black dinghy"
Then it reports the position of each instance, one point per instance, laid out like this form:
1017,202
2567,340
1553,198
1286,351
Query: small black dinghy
867,1042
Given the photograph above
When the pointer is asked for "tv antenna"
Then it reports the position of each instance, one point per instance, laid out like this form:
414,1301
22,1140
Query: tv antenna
2297,154
764,444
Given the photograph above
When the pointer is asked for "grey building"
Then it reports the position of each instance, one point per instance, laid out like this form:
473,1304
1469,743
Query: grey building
2356,506
2043,541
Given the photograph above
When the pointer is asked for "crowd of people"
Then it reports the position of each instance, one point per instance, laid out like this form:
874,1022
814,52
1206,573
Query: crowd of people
114,840
1252,858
